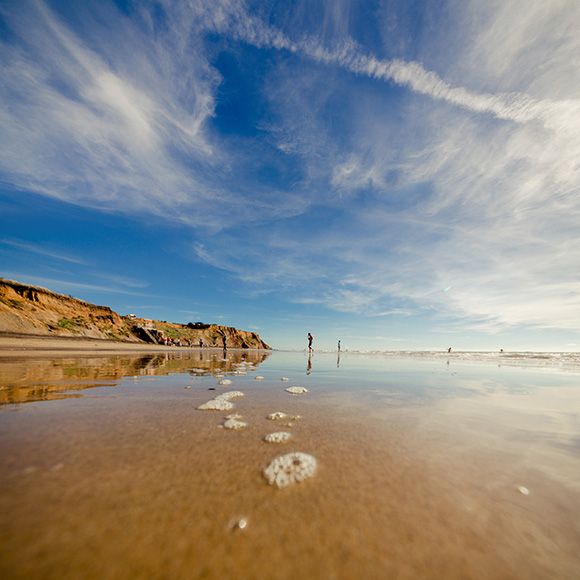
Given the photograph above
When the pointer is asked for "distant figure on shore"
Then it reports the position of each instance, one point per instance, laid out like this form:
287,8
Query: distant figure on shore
501,350
449,350
339,346
310,339
200,343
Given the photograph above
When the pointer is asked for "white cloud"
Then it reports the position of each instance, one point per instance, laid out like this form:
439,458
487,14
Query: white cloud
498,218
118,119
59,285
515,106
475,178
42,251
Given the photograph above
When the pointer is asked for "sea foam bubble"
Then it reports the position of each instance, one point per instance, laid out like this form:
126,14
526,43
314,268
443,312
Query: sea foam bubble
216,405
297,390
277,416
278,437
233,422
290,468
229,395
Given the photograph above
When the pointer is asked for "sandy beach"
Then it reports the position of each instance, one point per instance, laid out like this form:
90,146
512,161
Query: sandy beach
27,345
128,478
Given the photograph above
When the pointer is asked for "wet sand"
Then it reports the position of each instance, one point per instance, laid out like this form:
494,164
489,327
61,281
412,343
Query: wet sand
25,345
134,482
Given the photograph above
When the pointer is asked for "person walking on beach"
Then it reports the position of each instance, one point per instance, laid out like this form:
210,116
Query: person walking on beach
339,346
310,339
449,350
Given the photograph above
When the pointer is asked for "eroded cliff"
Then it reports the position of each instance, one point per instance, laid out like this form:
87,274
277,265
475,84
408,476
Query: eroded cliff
32,310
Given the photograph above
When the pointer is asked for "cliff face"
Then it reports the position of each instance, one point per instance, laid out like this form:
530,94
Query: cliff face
32,310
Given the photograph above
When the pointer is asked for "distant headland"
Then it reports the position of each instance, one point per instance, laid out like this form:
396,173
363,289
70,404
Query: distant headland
34,311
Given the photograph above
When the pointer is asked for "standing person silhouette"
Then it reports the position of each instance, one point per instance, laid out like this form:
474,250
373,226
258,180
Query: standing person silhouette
310,339
339,346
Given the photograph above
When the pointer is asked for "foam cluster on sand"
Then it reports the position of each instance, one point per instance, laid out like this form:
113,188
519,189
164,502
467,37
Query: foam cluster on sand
278,437
216,405
221,402
230,395
284,379
233,422
259,378
290,468
277,416
297,390
225,382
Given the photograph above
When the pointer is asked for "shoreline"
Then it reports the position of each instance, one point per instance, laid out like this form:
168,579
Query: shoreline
14,344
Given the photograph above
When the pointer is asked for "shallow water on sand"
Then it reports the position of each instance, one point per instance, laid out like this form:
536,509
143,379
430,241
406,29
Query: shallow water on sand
426,469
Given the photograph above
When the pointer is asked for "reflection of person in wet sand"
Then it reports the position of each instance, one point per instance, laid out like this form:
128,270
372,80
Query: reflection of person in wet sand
338,359
310,339
309,364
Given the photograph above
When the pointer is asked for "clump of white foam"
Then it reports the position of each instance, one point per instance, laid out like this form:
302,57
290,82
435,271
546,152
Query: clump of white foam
297,390
225,382
290,468
233,422
284,379
259,378
216,404
229,395
277,416
278,437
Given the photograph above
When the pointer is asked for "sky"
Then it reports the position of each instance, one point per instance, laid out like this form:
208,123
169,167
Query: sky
397,174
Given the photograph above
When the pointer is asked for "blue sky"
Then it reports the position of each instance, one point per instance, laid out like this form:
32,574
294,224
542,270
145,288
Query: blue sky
399,174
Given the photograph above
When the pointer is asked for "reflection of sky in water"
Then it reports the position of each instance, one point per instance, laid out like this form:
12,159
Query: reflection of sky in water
522,403
531,413
418,381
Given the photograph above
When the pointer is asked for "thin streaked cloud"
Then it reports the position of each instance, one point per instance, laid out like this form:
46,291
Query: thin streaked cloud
419,168
43,250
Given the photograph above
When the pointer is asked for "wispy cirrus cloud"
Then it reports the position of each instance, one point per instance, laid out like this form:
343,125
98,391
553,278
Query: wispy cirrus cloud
118,119
443,183
515,106
66,286
42,251
473,217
